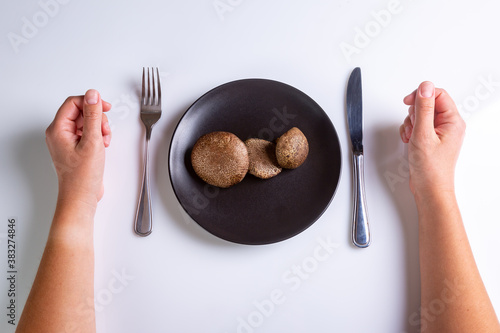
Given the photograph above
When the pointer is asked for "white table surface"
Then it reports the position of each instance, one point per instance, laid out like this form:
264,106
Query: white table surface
183,279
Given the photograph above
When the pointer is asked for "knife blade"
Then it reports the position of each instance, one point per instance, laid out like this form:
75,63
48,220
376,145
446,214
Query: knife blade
354,105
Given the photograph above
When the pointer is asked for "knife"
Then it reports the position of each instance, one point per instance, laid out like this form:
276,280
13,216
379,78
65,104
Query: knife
354,105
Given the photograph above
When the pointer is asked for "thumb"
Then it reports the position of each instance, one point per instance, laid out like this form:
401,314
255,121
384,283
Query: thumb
92,115
424,109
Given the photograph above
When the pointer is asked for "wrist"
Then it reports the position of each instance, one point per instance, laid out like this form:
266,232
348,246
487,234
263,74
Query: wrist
73,223
77,206
433,197
86,205
85,200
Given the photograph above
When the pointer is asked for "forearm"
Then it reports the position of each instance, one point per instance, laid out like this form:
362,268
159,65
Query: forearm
453,297
62,296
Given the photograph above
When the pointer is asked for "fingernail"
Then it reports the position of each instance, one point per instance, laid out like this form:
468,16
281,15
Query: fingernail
91,97
106,126
412,118
427,89
407,132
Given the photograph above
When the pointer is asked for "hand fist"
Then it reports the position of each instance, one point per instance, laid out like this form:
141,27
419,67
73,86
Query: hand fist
434,132
76,140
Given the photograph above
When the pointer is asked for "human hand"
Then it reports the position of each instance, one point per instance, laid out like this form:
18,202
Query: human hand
76,139
434,132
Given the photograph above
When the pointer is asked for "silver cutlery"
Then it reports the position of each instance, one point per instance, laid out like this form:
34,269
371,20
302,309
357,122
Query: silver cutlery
354,103
150,113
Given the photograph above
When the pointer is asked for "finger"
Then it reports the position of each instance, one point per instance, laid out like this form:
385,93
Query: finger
411,114
411,110
69,111
410,99
106,131
105,125
402,134
444,102
424,109
92,115
105,122
106,106
408,127
107,140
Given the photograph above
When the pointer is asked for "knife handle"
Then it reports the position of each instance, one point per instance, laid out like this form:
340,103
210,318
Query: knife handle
360,228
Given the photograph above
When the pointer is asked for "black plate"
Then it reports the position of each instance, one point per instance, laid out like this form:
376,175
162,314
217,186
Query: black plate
257,211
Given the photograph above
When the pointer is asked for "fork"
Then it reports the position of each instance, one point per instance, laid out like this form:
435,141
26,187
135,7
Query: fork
150,113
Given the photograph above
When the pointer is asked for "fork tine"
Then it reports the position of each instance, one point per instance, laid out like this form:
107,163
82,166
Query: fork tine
153,100
159,86
148,102
143,95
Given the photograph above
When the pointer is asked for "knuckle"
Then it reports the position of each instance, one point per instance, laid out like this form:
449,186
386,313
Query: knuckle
444,93
92,114
425,110
69,99
426,105
91,142
57,138
462,125
459,127
50,132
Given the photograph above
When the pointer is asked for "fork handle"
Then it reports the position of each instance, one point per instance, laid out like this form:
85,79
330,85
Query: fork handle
143,219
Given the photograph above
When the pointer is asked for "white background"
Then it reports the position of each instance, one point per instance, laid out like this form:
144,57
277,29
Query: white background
183,279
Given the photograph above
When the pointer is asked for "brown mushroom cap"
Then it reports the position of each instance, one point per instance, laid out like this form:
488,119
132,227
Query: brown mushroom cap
262,155
292,149
220,159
